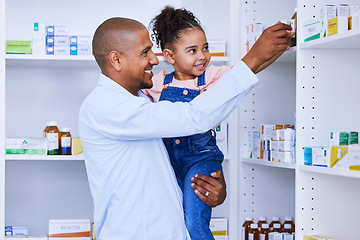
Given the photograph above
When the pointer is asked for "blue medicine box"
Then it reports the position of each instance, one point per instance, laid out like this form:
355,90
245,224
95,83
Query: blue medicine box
308,155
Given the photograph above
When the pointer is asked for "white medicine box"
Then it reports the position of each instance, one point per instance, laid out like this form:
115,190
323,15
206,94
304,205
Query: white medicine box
69,228
218,226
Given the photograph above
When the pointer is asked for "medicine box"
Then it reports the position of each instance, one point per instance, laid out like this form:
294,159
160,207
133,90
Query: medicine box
217,48
269,155
57,50
312,29
287,134
339,138
222,137
339,157
343,18
354,157
291,22
288,236
218,226
321,157
57,31
327,12
80,45
275,156
308,156
284,146
76,147
275,236
15,230
266,130
354,18
333,26
26,237
254,144
353,138
274,145
316,237
38,39
18,47
25,145
65,228
275,135
285,157
219,237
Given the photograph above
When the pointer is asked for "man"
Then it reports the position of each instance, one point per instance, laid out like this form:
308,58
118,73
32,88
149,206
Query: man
133,186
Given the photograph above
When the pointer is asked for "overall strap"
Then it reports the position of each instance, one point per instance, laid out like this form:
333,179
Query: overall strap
168,78
201,80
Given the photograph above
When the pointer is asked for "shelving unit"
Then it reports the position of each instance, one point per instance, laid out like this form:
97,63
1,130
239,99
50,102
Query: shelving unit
2,117
266,188
326,80
326,199
36,86
318,80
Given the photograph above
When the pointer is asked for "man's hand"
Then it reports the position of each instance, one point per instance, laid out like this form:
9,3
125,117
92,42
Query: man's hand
273,42
210,190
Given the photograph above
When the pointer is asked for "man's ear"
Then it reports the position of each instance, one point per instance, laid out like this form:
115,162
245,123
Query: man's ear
169,55
115,60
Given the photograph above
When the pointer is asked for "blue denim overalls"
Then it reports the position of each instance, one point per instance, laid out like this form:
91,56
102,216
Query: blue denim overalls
191,155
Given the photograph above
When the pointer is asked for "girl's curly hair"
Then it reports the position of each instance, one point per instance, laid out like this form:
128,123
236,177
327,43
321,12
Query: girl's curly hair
169,24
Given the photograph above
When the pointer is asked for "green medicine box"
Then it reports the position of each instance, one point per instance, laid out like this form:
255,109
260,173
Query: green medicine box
18,47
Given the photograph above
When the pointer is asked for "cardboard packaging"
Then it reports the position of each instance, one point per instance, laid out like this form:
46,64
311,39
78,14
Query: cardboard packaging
339,157
354,18
79,229
15,230
218,226
18,47
312,29
327,12
354,157
26,237
217,48
343,18
38,39
339,138
321,157
25,145
76,147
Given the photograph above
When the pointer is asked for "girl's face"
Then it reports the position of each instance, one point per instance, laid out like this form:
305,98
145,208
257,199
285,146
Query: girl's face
191,54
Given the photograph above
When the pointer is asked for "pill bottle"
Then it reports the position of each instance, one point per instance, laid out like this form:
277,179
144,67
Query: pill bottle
262,220
287,228
264,232
253,232
46,129
65,141
289,220
246,227
53,139
275,220
276,228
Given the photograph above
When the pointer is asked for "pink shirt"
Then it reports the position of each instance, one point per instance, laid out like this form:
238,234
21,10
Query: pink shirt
212,74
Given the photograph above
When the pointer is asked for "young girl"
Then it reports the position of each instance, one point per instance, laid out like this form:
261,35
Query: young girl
185,46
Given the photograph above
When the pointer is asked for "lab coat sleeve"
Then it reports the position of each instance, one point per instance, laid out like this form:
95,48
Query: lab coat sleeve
137,118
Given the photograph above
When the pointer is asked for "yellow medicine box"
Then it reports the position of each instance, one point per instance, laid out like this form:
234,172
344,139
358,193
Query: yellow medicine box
76,147
333,25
